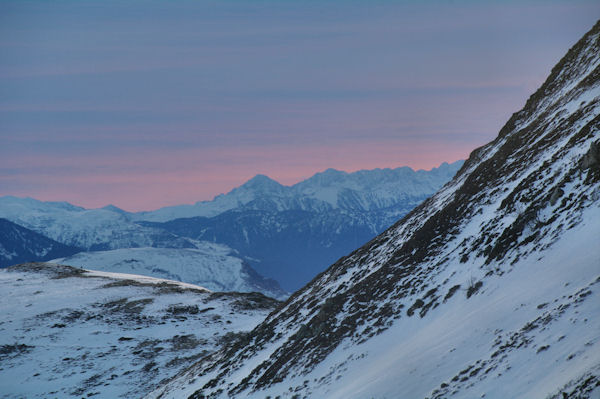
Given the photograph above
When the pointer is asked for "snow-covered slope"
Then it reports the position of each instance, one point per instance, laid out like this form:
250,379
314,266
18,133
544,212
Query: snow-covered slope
19,245
365,190
491,288
93,229
212,266
70,333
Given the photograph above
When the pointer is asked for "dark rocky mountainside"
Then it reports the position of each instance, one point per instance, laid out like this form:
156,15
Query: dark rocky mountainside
19,245
490,288
289,246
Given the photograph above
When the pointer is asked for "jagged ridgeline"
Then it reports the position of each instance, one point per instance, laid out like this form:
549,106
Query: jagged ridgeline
490,288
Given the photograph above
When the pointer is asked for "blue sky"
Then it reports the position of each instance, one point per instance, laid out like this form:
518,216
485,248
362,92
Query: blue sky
146,104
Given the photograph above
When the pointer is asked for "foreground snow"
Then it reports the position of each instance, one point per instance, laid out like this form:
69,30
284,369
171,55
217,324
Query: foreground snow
66,332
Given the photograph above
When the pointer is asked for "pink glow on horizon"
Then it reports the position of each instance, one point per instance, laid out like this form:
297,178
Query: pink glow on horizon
145,107
151,180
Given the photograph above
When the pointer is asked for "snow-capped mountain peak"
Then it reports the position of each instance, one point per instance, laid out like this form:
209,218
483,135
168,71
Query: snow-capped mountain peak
262,184
113,208
363,190
317,220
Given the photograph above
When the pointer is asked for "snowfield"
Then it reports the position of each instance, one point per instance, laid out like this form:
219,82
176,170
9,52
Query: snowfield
210,265
72,333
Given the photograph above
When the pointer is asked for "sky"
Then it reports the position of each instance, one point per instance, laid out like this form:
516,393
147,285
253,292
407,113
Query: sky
144,104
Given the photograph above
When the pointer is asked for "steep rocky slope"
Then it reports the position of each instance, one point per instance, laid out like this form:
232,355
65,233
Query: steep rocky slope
491,288
71,333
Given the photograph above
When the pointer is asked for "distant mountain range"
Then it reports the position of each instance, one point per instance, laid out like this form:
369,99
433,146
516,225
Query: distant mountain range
364,190
90,229
287,233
